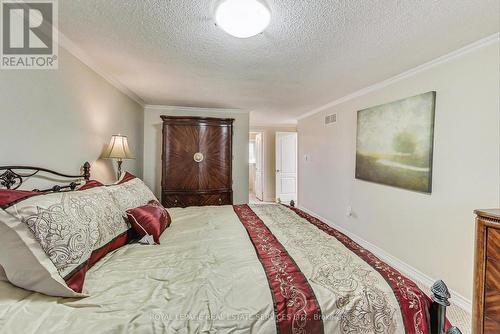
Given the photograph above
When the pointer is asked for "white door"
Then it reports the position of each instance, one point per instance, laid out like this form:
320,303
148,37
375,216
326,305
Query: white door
259,191
286,167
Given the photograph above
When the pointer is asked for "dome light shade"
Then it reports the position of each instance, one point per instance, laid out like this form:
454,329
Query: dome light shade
242,18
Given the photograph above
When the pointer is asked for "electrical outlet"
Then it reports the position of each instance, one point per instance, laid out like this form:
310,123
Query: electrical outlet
349,211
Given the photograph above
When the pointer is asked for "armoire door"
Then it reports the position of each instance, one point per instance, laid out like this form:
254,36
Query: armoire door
215,169
180,171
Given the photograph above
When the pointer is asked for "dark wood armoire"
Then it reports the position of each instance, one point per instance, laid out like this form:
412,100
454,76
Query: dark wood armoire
486,305
196,161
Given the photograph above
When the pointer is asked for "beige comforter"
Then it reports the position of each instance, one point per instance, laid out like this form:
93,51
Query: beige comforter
205,277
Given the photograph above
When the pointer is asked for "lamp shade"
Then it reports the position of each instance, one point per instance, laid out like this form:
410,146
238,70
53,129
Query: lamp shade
118,148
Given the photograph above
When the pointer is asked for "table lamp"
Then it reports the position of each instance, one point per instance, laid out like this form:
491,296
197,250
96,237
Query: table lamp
118,149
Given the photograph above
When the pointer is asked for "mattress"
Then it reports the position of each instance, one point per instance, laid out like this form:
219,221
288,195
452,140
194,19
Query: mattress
230,269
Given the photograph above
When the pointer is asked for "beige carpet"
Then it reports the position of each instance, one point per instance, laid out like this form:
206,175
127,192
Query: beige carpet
455,314
255,200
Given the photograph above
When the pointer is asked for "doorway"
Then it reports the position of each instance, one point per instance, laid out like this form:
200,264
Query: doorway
286,167
255,165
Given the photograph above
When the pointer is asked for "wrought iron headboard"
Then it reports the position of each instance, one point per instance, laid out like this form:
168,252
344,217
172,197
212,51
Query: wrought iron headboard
12,177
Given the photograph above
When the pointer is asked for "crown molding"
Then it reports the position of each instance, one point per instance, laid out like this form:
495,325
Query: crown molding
191,109
495,38
77,52
271,125
413,273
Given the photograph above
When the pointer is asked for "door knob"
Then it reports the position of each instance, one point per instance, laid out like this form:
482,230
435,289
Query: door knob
277,170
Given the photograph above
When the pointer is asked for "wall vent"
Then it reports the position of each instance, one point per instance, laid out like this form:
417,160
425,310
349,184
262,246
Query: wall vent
331,119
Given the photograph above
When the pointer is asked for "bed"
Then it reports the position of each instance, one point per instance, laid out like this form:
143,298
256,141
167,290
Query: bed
233,269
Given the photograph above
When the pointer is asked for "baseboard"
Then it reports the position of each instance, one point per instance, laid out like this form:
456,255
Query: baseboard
403,267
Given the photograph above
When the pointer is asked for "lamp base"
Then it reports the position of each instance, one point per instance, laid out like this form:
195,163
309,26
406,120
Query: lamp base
119,172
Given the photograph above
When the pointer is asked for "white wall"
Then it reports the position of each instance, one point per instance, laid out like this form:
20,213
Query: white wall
61,118
153,142
269,145
251,167
433,233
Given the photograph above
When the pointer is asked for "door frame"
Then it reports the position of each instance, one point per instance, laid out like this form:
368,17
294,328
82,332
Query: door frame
262,157
296,164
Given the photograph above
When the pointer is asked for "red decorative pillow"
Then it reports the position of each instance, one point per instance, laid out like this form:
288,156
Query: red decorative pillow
9,197
151,219
125,177
90,184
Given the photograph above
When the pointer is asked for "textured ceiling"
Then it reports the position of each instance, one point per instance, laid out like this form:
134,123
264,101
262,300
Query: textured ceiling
170,52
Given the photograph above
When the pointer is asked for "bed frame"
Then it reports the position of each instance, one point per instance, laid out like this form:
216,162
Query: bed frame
12,177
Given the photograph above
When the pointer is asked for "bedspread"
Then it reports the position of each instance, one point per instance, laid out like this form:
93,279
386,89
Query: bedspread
242,269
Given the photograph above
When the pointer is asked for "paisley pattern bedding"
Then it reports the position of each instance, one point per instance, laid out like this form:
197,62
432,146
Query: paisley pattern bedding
413,303
131,193
70,225
370,296
295,306
50,239
242,269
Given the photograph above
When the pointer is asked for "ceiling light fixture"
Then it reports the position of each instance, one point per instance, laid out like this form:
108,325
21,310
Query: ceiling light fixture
242,18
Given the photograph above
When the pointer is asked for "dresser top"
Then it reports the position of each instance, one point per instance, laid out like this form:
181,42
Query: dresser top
489,213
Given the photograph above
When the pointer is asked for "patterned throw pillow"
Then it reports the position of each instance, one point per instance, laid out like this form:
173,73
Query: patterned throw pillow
48,241
150,219
130,192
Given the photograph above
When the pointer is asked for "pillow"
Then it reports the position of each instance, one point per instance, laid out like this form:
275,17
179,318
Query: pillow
130,192
126,176
8,196
49,241
90,184
150,219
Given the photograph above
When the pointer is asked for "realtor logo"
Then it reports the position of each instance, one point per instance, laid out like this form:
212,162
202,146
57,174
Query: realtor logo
29,34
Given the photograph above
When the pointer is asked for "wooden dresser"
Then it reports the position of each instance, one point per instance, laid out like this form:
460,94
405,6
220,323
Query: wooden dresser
486,305
196,161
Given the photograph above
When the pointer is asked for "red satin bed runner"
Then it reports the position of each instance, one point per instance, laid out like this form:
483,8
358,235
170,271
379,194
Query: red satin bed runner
413,302
295,306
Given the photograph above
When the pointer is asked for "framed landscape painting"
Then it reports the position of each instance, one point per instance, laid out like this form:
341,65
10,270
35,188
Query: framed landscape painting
394,143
